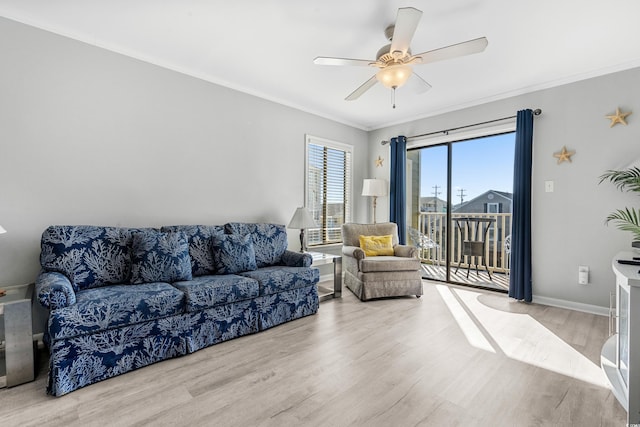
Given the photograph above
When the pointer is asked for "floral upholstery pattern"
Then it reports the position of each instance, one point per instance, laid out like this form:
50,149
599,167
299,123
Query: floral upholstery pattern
89,256
222,323
276,279
109,307
82,360
276,309
296,259
209,291
199,237
54,290
233,253
269,240
101,326
159,257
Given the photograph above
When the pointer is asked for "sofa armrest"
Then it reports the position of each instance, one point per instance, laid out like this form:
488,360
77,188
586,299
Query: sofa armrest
353,252
54,290
296,259
405,251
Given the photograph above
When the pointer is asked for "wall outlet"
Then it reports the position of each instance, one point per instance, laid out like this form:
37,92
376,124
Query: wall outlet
583,274
548,186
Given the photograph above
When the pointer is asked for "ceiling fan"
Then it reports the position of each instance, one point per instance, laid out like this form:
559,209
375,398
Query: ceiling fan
395,59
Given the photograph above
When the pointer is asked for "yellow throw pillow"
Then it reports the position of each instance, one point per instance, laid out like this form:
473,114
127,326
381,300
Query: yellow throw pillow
376,245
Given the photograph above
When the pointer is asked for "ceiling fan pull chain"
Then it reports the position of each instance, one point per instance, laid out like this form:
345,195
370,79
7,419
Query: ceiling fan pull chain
393,97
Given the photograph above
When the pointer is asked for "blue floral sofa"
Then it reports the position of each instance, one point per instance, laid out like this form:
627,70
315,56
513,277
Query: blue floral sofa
123,298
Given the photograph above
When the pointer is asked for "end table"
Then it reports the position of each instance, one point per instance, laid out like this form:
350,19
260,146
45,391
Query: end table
320,258
16,336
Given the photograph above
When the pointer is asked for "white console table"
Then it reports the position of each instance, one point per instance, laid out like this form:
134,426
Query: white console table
620,357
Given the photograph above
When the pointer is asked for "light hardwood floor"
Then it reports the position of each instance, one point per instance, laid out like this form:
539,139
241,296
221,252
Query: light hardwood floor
453,357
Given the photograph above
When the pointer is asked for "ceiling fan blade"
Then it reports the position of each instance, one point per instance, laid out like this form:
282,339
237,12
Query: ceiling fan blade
417,84
405,27
321,60
460,49
362,89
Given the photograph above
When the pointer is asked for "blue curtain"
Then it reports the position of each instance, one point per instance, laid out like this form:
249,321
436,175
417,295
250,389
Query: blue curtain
398,185
520,277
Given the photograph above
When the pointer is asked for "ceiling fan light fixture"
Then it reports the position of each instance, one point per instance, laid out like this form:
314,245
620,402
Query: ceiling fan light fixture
394,76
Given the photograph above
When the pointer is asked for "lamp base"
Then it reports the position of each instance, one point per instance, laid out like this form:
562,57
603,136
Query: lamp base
302,240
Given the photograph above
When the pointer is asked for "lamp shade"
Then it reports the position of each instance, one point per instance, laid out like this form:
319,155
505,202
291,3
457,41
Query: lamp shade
2,230
302,219
394,76
374,187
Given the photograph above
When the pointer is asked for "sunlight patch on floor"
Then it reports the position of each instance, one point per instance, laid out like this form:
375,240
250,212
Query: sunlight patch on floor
519,336
474,335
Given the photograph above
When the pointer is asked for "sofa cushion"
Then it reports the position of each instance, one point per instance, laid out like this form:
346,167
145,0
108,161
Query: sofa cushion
233,253
209,291
277,279
199,237
89,256
376,245
159,257
113,306
389,263
269,240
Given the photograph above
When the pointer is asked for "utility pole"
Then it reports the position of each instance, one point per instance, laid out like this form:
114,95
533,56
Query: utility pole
461,193
436,193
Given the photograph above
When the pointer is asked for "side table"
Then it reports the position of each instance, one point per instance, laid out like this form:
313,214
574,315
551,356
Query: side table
320,258
16,336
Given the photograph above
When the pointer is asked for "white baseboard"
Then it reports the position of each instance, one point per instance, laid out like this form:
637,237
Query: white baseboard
571,305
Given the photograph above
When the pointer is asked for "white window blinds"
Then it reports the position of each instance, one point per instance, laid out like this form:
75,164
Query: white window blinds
328,189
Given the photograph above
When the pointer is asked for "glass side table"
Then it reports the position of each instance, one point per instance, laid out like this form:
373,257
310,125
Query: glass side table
16,336
320,258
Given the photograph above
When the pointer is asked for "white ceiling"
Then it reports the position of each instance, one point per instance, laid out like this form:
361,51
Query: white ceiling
266,47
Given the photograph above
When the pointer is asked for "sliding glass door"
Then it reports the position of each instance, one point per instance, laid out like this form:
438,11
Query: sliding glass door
461,209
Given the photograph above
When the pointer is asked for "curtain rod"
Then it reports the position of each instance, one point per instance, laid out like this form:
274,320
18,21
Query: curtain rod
536,112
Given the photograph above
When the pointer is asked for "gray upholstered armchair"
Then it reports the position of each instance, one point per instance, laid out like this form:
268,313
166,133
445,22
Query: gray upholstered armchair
379,276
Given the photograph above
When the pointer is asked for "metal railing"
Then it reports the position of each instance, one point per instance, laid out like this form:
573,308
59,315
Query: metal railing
433,226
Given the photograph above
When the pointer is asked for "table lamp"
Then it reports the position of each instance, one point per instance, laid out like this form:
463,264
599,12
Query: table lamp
302,219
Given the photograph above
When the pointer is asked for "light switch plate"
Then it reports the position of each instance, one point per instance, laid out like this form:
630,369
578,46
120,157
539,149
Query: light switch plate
548,186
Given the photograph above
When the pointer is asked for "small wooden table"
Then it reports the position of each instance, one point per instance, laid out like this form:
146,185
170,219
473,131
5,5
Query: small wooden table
320,258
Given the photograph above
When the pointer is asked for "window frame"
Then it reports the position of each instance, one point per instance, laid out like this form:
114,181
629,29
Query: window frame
347,148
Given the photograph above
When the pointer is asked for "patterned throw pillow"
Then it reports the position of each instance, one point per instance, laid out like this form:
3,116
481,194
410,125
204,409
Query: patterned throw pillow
377,245
89,256
199,237
233,253
159,257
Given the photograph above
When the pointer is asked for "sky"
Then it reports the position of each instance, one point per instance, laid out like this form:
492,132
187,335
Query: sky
477,165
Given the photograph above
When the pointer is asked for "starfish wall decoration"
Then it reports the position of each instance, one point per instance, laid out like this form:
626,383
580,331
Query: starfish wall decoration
379,161
618,117
564,155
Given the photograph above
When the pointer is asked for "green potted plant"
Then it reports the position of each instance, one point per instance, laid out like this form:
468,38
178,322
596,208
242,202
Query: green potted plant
627,219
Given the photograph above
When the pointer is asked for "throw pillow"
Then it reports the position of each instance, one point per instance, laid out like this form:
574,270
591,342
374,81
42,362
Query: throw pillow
159,257
377,245
233,253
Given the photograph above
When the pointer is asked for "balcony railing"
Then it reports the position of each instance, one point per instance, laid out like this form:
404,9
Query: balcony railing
433,226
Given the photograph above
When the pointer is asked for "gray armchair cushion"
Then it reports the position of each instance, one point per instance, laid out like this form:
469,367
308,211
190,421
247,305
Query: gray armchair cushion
389,263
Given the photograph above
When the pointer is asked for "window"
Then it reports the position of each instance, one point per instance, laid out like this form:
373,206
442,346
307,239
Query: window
328,189
493,208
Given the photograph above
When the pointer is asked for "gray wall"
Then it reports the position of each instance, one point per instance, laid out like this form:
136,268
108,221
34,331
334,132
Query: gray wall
92,137
88,136
568,224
